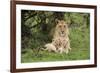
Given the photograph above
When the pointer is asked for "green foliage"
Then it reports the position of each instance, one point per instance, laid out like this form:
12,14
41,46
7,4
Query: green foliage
36,27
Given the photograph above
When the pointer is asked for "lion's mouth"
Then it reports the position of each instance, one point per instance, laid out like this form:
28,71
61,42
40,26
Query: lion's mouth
62,34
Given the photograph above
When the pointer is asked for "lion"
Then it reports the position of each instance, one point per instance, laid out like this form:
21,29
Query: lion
60,42
61,37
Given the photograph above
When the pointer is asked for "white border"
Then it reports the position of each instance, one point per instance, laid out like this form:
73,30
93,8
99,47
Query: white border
20,65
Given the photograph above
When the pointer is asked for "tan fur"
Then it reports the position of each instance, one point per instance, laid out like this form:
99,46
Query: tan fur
61,37
50,47
61,29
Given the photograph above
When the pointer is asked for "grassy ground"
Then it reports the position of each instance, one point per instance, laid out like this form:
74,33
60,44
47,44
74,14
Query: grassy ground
80,50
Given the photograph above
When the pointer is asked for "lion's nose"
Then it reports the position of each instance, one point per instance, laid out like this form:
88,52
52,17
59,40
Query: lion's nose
62,32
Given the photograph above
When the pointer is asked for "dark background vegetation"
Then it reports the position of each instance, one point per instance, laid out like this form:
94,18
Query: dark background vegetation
37,28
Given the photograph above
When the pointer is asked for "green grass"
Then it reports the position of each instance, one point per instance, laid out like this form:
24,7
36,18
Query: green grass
80,50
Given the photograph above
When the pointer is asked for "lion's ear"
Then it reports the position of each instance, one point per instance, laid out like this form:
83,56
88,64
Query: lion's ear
68,22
